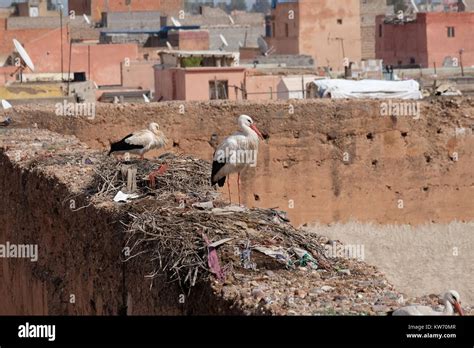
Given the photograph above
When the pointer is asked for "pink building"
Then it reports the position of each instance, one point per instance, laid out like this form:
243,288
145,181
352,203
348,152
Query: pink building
327,30
199,83
443,38
198,75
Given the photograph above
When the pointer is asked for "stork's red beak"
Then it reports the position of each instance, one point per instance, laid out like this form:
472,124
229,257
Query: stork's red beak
255,129
457,307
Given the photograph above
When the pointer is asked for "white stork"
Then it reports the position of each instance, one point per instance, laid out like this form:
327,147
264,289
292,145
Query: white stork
451,302
140,142
235,153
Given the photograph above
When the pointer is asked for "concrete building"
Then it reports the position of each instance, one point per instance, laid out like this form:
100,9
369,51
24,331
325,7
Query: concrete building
95,8
446,5
369,10
441,38
240,29
327,30
205,75
189,40
35,8
203,83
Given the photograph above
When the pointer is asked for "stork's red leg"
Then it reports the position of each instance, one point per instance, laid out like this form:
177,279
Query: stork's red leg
238,185
228,188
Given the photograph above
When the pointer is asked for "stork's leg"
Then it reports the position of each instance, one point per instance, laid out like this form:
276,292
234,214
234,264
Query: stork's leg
228,188
238,185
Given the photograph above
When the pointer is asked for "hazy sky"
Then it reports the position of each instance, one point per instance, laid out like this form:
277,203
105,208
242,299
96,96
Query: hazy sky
4,3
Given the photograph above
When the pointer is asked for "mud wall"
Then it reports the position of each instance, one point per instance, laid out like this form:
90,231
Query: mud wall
324,160
79,270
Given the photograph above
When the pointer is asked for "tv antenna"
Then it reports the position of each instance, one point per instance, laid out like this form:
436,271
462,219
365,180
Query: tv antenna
175,22
224,42
86,19
263,46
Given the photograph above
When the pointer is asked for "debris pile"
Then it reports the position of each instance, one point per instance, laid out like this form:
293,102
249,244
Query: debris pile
253,258
178,220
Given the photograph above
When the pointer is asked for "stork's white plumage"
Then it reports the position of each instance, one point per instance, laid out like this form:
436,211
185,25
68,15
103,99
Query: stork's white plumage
451,302
236,153
140,142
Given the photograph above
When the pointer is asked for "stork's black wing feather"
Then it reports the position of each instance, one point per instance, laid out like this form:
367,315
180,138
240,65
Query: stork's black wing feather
216,166
122,145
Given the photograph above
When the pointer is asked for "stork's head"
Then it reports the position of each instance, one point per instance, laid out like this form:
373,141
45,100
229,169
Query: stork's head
454,299
246,121
154,127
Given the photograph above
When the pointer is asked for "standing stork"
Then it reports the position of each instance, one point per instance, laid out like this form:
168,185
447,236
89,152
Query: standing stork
140,142
451,301
235,153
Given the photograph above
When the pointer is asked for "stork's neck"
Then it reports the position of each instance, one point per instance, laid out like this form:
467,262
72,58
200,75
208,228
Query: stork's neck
448,308
249,133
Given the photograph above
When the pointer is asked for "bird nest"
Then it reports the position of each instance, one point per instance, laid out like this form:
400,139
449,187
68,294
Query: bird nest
186,232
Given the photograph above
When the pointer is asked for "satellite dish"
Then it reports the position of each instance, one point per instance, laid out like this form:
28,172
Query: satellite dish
116,100
263,46
224,42
175,22
413,4
231,20
24,55
95,85
241,44
169,45
6,105
88,21
147,100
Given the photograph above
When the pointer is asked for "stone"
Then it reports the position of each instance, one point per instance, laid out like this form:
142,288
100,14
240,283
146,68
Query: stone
327,288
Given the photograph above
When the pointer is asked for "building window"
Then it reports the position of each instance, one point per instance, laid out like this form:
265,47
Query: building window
218,89
287,30
268,30
339,21
273,29
380,30
451,32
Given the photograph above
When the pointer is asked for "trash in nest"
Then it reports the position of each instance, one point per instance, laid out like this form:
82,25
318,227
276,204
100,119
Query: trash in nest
245,258
160,171
125,197
306,259
277,253
279,216
220,242
447,90
204,205
228,210
213,260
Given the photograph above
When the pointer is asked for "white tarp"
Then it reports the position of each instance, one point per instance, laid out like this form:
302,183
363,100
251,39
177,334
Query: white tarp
334,88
